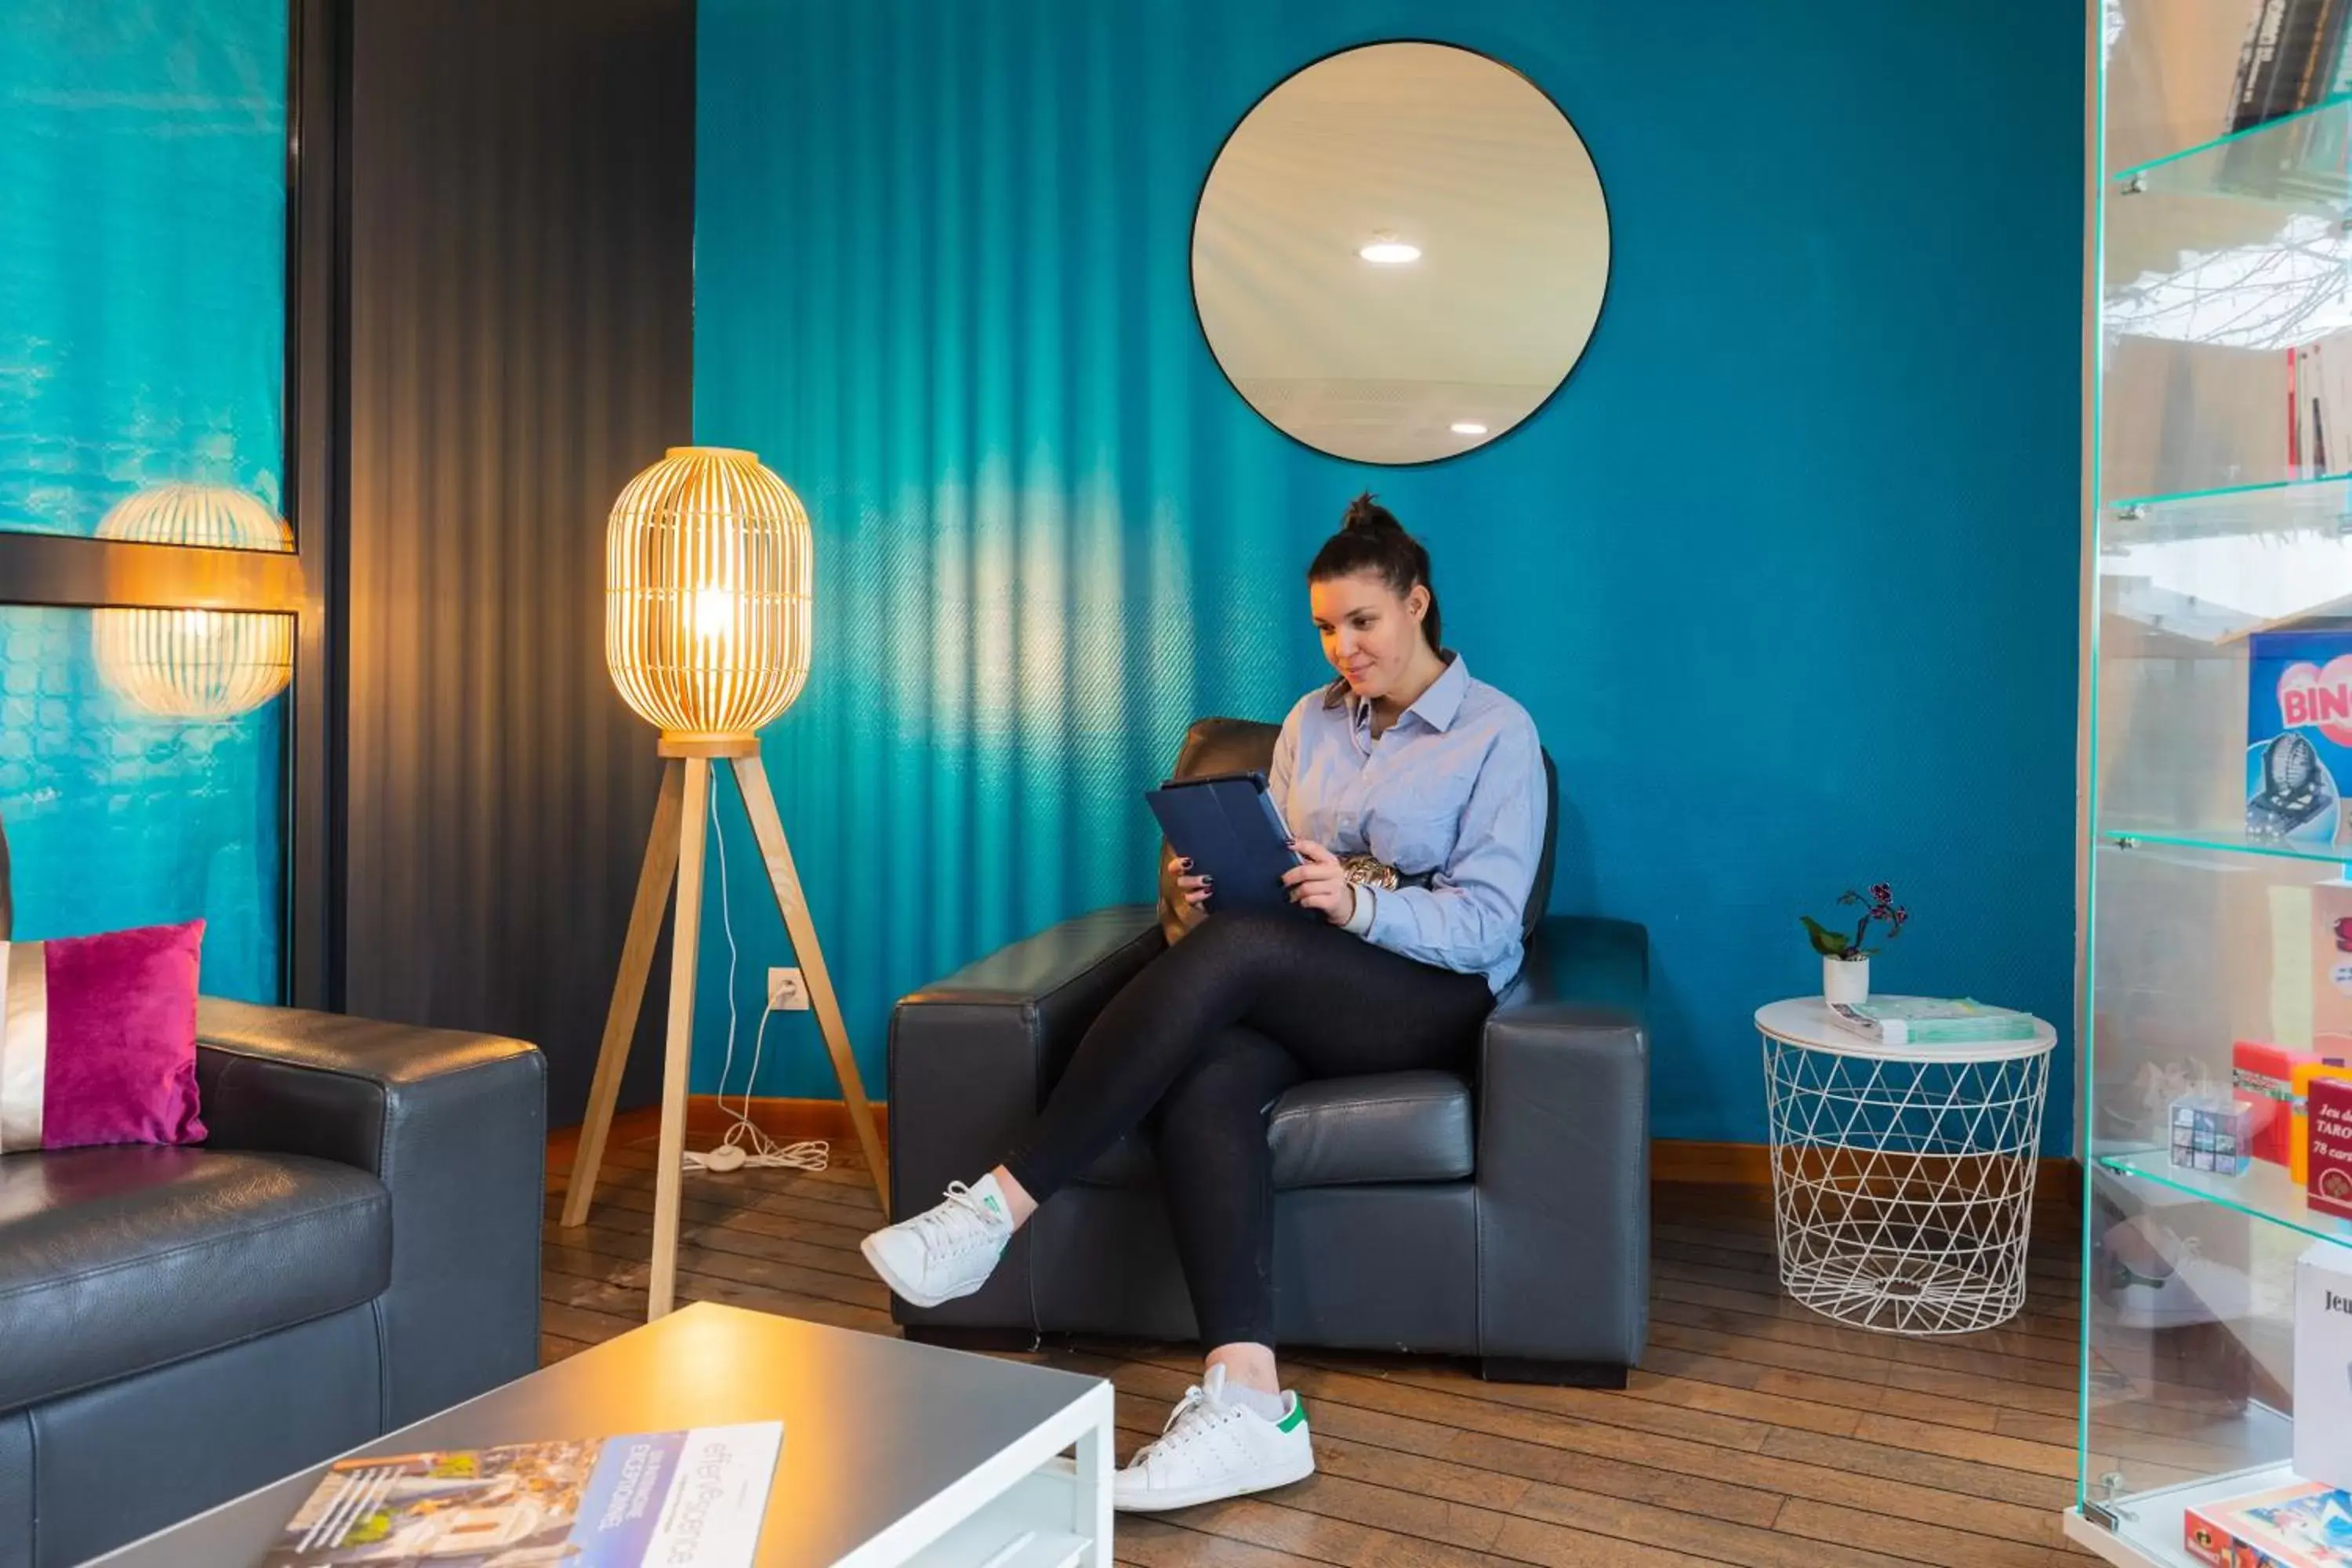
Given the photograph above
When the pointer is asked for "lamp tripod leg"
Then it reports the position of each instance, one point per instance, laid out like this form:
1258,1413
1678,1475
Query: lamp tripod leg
661,1287
628,996
760,803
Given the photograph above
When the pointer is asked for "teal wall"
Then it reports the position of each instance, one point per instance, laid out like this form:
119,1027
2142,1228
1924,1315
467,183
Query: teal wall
142,244
1785,574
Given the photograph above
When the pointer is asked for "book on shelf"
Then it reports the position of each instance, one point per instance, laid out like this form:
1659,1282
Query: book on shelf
1931,1021
681,1500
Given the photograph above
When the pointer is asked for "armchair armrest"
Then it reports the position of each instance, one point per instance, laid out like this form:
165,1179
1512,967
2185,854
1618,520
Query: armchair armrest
455,1126
1563,1161
972,1058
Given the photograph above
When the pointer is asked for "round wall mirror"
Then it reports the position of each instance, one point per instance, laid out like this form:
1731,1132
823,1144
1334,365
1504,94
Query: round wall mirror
1401,252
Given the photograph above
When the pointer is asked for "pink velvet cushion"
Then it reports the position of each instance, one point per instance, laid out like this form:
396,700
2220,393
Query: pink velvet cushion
98,1039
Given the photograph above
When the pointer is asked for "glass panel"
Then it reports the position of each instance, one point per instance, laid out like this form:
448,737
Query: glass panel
2190,1271
141,778
2197,671
2189,1360
2228,312
143,262
2172,76
2221,928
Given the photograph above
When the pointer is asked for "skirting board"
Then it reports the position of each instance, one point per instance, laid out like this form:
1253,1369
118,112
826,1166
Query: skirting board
1750,1165
1671,1159
705,1123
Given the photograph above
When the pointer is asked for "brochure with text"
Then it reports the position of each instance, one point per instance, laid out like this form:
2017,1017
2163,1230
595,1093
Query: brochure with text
680,1499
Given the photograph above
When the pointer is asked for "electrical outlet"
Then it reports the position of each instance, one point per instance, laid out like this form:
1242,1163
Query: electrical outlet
787,993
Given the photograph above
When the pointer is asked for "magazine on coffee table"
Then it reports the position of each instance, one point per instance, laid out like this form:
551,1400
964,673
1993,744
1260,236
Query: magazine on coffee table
681,1500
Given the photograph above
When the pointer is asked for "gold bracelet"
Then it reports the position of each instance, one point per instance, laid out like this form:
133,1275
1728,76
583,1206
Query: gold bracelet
1369,871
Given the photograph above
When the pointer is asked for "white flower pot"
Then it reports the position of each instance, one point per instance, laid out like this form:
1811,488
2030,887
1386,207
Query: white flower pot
1845,979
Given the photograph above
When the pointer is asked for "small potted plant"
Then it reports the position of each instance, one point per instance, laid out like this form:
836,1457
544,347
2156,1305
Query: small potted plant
1845,960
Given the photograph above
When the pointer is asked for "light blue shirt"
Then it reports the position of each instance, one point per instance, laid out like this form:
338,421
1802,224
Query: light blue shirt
1453,791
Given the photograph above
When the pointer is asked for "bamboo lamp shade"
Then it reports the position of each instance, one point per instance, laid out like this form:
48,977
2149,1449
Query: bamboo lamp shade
707,590
194,664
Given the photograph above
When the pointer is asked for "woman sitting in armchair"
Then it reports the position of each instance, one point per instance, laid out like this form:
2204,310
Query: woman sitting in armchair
1419,794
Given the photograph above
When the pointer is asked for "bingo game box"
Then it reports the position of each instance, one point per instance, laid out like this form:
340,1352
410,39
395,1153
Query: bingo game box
2298,734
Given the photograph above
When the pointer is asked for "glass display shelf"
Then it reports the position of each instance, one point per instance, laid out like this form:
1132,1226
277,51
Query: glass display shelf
2297,161
2148,1528
2266,1191
2222,841
2321,504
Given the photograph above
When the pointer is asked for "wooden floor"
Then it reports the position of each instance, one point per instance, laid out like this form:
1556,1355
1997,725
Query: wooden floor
1754,1433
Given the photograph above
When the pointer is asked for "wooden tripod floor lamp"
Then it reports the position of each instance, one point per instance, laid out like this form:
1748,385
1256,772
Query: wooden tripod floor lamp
706,589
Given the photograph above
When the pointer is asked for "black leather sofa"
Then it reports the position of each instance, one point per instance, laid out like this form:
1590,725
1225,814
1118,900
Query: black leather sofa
1505,1218
356,1246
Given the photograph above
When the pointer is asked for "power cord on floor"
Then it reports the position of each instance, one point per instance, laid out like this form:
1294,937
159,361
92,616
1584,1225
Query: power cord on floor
746,1143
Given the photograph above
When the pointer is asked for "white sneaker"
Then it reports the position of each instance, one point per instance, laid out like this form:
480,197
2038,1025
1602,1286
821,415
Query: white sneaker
1210,1449
944,1252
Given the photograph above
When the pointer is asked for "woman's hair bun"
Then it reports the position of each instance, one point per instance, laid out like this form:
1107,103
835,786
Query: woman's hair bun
1371,539
1367,515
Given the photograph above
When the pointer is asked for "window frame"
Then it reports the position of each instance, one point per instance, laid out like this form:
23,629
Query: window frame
306,584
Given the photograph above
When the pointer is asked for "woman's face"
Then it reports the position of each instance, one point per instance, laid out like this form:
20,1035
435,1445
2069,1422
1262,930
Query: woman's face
1369,632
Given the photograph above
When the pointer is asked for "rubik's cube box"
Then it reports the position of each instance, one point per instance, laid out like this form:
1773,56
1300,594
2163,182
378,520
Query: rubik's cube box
2214,1133
2298,734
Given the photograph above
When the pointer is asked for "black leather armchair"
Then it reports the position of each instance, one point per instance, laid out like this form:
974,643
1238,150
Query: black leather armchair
1505,1219
356,1246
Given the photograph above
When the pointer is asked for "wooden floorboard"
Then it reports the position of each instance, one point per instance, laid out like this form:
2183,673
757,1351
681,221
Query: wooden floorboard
1755,1433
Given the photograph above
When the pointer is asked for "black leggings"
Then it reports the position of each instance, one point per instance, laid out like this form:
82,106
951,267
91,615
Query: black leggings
1208,1035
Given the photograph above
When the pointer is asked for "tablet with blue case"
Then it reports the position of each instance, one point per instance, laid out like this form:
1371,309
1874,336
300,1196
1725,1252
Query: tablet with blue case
1228,826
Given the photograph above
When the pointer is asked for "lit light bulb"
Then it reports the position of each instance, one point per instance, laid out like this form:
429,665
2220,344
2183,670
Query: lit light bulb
1467,427
1388,251
714,613
199,624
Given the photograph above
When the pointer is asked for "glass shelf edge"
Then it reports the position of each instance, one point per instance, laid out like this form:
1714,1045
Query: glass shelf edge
2228,492
2232,1192
2126,176
2259,848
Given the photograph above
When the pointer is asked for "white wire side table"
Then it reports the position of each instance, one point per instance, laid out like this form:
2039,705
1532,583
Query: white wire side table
1902,1175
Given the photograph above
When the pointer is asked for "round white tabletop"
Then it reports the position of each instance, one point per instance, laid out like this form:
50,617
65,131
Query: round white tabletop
1807,1021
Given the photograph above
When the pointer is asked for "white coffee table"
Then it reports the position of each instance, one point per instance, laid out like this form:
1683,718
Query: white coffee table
893,1453
1902,1175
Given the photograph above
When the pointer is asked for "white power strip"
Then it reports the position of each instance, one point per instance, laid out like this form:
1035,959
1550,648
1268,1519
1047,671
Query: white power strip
747,1144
